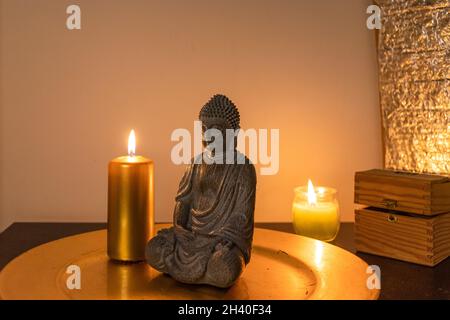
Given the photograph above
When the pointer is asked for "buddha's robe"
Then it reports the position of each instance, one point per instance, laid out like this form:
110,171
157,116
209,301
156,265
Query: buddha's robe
212,237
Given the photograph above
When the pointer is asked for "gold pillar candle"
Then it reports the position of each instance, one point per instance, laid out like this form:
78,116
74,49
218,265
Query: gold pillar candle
130,205
316,212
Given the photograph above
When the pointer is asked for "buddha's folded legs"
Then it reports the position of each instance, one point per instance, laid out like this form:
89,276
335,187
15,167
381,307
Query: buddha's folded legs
219,266
158,248
224,267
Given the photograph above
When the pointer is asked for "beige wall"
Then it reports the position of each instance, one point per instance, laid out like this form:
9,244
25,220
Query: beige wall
69,98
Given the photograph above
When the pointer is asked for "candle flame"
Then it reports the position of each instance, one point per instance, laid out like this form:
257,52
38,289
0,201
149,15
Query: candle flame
312,197
132,144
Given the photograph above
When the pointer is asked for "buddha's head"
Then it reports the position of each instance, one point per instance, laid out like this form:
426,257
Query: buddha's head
220,113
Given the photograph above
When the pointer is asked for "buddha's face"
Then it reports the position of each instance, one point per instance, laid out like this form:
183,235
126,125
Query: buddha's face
220,125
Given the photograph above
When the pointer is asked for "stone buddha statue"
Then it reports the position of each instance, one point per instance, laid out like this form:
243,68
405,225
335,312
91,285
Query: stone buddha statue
211,238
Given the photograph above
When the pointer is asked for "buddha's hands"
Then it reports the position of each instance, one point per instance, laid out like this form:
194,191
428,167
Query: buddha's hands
182,234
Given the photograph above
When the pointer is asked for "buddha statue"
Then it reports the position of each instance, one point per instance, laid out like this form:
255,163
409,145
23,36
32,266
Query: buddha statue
211,238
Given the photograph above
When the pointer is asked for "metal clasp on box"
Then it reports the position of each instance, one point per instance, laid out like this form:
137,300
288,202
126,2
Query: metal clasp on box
389,203
392,218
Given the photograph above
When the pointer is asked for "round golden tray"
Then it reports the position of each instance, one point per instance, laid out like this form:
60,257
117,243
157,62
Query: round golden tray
283,266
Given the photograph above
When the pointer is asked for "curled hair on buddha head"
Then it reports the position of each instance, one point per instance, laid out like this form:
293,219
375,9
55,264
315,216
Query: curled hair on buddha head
220,106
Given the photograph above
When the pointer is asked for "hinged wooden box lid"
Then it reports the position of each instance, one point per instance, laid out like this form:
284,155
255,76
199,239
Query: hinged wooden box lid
408,192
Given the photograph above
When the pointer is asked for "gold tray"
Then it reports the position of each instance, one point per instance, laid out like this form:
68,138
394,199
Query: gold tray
283,266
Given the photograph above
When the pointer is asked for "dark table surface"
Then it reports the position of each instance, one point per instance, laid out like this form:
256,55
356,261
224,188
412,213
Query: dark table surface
399,280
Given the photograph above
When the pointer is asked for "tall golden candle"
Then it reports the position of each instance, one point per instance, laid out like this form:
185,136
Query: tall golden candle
130,205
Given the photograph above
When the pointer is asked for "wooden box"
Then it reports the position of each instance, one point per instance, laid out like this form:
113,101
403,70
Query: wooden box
418,239
408,217
407,192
